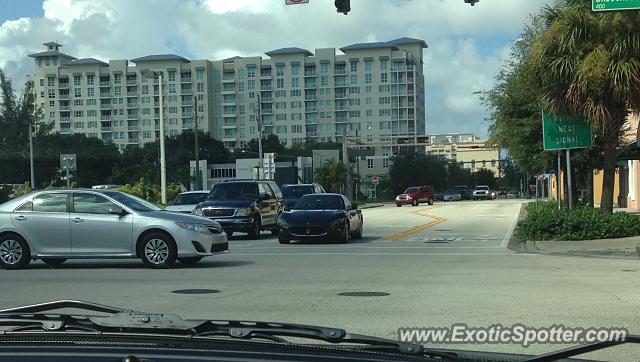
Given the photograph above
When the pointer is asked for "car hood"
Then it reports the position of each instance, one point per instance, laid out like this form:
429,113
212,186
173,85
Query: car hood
173,216
233,204
180,208
290,202
311,216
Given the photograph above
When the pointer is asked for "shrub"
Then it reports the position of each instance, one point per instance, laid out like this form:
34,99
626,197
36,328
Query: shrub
544,221
150,193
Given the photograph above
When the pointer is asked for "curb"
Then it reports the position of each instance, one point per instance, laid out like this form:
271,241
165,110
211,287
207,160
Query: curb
370,206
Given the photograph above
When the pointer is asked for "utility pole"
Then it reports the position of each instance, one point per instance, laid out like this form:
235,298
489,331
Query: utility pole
163,165
197,178
558,180
33,178
569,190
346,164
258,111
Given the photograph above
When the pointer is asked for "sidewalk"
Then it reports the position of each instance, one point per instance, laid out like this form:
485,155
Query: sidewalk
370,206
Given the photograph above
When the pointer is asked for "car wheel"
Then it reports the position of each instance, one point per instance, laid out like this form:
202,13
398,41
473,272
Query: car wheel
399,205
54,261
346,231
254,233
283,239
414,202
430,202
358,234
157,250
192,260
14,252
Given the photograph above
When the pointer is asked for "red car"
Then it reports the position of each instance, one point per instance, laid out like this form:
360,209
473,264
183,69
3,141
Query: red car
415,195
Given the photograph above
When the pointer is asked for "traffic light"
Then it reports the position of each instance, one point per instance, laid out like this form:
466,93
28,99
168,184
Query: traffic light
343,6
472,2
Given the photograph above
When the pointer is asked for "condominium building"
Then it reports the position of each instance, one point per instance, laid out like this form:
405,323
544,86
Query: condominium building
464,148
372,91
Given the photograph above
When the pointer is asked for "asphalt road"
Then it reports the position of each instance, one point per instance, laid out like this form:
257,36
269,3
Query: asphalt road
440,265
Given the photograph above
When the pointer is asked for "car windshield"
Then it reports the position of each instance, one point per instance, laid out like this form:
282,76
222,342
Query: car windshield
482,188
411,190
190,198
320,202
296,192
132,202
234,191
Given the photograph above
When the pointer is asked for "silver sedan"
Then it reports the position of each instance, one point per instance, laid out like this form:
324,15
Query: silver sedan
57,225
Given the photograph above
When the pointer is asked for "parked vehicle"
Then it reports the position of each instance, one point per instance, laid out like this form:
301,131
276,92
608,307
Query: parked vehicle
57,225
463,190
291,194
243,206
452,195
483,192
187,201
327,216
415,195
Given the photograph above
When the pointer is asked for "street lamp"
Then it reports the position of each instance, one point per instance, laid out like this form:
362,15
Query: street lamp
163,165
31,166
258,111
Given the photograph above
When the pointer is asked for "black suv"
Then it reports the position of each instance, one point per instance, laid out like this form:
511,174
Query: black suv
291,194
243,206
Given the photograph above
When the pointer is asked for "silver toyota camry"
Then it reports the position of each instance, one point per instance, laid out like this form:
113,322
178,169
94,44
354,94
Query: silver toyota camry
57,225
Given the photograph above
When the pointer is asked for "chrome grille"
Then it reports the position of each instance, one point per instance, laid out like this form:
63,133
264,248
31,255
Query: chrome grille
210,212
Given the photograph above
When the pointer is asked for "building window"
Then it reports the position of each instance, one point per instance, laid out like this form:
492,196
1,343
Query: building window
324,68
295,82
251,72
77,80
383,77
251,84
279,70
52,93
79,125
77,92
367,78
41,82
172,77
354,65
77,113
117,91
354,78
384,64
295,69
367,65
92,113
241,87
91,102
90,92
280,83
77,102
172,88
295,93
51,81
52,103
199,74
90,79
240,74
370,163
385,163
200,87
117,78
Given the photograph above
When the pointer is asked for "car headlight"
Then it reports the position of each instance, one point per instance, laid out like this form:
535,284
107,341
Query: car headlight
247,211
197,211
193,227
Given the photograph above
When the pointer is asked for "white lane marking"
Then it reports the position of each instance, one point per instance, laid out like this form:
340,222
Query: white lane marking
260,242
507,236
382,247
380,254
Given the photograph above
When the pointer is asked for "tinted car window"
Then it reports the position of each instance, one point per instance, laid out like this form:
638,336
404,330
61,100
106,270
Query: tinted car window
91,204
411,190
296,192
189,199
276,190
319,202
132,202
50,203
234,191
265,190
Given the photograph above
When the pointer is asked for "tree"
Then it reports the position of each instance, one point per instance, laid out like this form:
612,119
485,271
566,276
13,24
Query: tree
485,176
270,143
331,175
411,168
588,63
458,175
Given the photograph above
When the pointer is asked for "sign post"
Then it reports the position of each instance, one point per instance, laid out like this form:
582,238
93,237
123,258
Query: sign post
375,180
565,134
68,164
613,5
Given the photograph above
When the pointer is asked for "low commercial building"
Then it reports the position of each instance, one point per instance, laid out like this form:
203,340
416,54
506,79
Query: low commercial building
466,149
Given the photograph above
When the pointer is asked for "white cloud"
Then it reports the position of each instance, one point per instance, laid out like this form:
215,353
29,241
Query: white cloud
456,62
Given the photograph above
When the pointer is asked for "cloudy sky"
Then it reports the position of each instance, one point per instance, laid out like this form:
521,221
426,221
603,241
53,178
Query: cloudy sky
467,45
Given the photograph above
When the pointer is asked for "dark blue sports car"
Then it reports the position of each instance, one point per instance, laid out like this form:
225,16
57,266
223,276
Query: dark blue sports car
321,216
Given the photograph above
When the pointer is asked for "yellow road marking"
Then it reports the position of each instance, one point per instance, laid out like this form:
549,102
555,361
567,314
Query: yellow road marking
436,220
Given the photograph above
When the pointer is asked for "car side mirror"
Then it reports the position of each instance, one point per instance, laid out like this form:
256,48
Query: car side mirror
286,208
116,210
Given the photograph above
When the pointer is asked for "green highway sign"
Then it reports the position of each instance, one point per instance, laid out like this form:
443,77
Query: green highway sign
565,133
609,5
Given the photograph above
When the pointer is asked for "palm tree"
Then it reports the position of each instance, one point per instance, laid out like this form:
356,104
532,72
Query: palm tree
587,63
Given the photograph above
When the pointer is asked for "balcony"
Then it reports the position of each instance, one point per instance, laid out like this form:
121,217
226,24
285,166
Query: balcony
186,102
63,85
105,95
64,96
338,72
133,128
105,84
65,119
186,91
133,105
132,94
265,88
265,75
105,129
310,98
185,79
133,140
340,95
133,117
187,114
105,105
131,82
310,110
64,108
229,125
228,80
309,74
104,118
310,85
266,99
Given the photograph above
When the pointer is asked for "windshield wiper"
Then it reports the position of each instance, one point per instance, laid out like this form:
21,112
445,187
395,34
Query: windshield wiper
582,349
38,318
